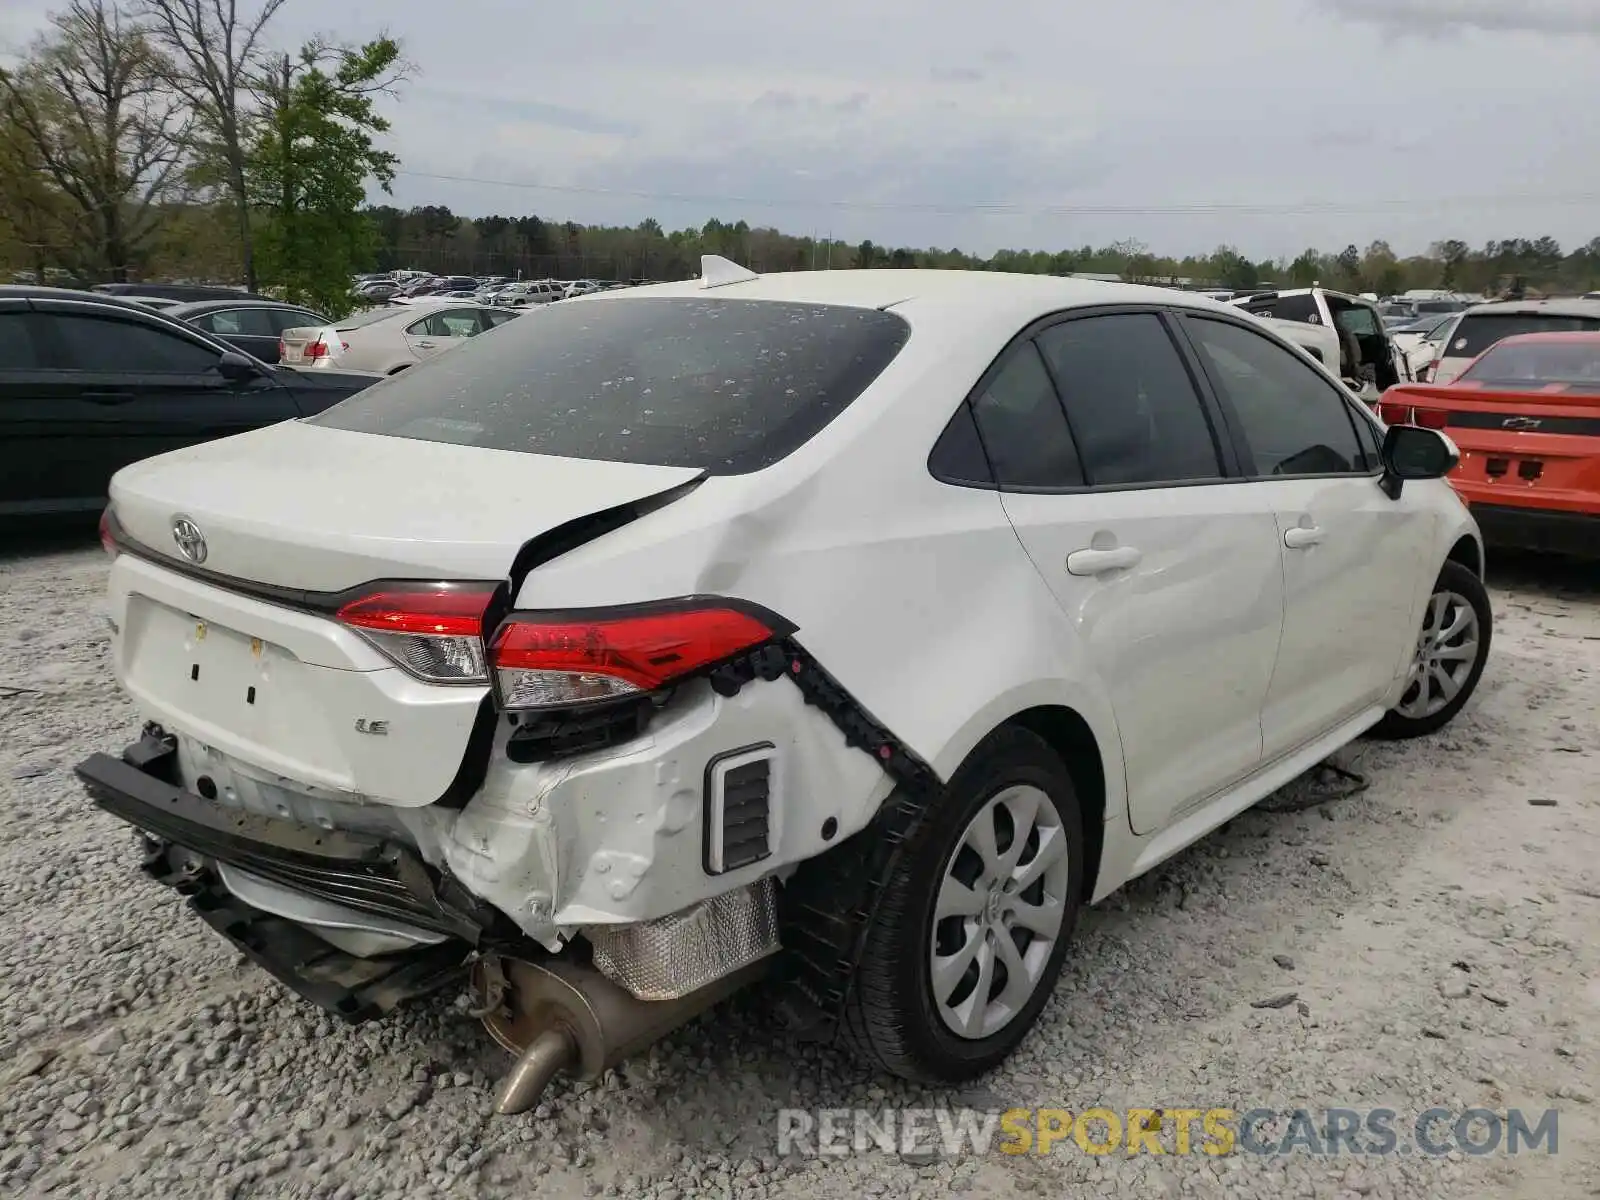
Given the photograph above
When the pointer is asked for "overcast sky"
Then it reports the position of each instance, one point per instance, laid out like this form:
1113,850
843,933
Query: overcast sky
1269,124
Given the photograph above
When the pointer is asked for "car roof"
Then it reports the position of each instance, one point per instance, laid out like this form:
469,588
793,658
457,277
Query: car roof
1565,307
195,308
997,300
28,291
1559,337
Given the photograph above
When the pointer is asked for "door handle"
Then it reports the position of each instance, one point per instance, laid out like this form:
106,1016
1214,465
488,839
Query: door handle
1102,562
1302,536
425,345
106,397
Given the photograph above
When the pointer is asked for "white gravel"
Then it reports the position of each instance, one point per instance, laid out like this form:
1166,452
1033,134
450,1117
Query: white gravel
138,1057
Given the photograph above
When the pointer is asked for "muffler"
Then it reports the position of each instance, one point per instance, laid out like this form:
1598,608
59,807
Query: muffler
559,1016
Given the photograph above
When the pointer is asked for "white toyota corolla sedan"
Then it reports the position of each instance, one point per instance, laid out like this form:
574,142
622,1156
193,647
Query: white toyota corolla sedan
846,630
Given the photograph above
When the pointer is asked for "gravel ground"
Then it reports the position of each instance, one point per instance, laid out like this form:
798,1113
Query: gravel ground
1436,930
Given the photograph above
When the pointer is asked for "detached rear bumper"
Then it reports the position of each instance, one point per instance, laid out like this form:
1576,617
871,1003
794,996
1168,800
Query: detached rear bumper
1548,530
186,836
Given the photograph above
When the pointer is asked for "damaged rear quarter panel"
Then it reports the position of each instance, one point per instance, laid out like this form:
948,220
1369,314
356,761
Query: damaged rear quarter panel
915,595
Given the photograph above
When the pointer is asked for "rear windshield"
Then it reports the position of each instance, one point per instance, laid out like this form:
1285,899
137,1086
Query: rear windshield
1478,331
727,386
1539,363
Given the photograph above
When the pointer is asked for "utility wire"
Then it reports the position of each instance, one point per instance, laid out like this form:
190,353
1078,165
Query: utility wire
1299,208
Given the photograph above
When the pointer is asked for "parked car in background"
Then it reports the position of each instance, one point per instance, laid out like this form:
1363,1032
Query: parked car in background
586,570
1526,416
90,383
1367,356
1420,341
530,292
388,340
376,289
1481,326
253,326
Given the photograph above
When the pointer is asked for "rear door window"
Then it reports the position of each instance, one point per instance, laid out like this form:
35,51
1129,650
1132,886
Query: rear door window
237,322
1135,414
1476,332
1023,428
728,386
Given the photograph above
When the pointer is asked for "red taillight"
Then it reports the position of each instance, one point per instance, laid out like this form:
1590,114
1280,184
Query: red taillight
552,663
1394,414
434,631
316,350
283,350
1430,418
108,541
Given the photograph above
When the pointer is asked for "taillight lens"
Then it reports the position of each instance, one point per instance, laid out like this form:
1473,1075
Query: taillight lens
107,541
563,660
283,350
1430,418
317,349
1394,414
434,631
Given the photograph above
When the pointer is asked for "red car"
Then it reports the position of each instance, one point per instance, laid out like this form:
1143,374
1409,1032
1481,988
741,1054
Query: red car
1526,417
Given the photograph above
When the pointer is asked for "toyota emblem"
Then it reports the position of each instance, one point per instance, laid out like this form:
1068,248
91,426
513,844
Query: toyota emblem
191,542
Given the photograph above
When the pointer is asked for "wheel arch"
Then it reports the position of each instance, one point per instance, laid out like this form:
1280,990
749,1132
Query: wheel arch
1066,732
1468,551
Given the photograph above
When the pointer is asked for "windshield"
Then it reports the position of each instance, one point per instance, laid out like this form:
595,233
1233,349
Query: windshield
727,386
1478,331
1539,363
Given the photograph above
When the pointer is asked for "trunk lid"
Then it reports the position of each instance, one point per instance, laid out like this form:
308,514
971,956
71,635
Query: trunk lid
294,344
1536,446
319,509
276,702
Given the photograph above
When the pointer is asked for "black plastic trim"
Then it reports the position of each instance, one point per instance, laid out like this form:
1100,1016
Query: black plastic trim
351,988
1512,422
1552,531
359,871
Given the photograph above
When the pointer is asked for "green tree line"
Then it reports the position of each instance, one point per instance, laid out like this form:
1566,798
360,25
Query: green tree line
434,238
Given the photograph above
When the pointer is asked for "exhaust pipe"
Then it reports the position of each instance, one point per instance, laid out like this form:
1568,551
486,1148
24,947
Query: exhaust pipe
559,1016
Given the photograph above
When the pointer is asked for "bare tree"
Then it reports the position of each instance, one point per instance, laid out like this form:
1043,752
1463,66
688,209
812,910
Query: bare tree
215,51
89,112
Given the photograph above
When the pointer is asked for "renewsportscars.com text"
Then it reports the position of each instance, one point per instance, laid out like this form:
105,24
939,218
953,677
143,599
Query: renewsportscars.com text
957,1133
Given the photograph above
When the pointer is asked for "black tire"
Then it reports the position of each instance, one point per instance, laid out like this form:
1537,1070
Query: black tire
1461,580
890,1021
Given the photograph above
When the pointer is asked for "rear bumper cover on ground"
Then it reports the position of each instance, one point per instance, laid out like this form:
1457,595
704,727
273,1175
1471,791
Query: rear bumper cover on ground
1549,530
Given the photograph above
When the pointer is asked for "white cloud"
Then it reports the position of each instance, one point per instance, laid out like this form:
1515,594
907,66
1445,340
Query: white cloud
917,121
1432,18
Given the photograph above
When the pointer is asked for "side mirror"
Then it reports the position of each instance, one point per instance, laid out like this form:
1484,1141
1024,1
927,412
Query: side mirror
1412,452
237,368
